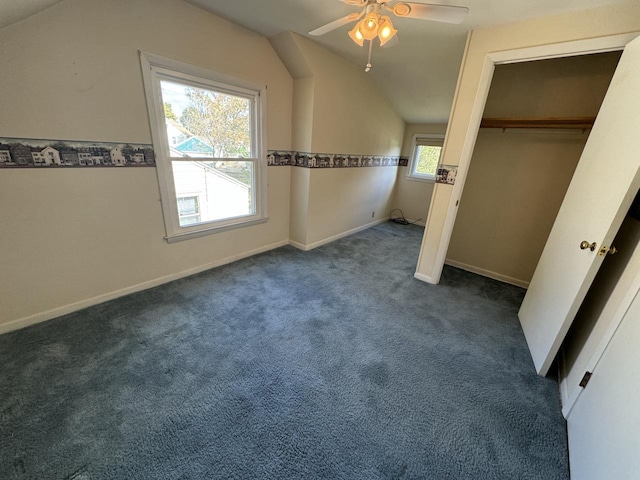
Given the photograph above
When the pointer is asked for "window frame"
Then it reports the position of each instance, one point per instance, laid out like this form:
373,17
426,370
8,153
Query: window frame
156,68
425,140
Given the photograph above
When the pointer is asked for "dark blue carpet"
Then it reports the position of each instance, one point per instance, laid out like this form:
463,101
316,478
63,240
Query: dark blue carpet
328,364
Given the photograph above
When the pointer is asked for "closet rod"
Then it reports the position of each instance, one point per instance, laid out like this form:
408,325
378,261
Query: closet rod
539,122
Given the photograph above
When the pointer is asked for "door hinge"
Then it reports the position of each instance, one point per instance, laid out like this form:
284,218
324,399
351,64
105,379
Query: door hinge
585,379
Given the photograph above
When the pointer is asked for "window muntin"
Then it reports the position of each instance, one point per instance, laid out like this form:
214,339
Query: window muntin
208,136
425,157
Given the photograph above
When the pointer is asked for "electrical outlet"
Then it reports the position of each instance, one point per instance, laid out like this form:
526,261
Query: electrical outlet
373,214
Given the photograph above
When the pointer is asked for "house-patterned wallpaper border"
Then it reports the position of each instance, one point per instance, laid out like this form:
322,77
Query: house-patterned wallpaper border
44,153
331,160
34,153
446,174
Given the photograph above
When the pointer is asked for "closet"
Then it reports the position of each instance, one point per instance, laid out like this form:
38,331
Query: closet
535,124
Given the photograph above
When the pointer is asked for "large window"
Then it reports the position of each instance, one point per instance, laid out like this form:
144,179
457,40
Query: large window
210,154
425,157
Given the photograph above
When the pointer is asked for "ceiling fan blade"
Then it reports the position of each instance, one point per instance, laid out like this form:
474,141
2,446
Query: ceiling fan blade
427,11
352,17
357,3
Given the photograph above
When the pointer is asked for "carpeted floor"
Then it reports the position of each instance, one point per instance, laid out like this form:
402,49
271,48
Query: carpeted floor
329,364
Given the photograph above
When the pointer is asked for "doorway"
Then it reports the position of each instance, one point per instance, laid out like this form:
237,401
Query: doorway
464,124
551,302
536,122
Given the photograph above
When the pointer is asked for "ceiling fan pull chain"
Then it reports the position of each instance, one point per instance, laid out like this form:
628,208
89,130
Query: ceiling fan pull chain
369,60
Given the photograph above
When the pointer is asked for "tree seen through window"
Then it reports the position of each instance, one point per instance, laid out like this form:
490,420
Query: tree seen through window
427,159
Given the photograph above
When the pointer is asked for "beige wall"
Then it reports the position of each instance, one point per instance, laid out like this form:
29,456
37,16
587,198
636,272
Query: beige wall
299,212
342,200
73,237
517,179
514,189
302,124
413,196
557,87
348,115
610,20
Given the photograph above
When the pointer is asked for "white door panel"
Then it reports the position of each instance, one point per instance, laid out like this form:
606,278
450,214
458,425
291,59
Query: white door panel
601,191
604,424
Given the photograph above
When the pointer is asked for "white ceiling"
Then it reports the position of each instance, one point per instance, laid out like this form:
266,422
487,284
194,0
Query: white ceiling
418,75
12,11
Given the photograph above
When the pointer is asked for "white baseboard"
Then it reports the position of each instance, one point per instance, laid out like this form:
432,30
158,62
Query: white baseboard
420,223
324,241
73,307
299,246
424,278
487,273
65,309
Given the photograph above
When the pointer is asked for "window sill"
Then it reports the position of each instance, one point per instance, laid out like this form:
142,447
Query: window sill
178,237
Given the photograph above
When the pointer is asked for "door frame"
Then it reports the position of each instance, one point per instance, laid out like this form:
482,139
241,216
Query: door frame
573,48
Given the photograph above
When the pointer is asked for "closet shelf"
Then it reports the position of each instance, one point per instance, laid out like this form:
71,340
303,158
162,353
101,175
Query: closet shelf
539,122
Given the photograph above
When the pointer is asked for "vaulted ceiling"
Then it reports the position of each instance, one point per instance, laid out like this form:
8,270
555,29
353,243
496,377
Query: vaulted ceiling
418,75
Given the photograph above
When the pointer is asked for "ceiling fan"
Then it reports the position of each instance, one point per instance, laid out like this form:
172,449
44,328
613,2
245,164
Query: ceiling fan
373,22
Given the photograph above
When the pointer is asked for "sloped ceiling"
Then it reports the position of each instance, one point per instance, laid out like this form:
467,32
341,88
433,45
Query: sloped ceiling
418,75
12,11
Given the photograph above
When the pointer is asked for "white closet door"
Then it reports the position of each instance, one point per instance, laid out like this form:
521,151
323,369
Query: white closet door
601,191
604,424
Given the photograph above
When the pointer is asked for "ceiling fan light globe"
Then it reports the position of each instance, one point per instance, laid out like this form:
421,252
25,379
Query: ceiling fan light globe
369,26
385,39
401,9
386,31
356,35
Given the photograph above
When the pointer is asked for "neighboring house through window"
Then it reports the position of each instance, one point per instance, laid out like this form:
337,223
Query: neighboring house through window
189,210
425,157
215,178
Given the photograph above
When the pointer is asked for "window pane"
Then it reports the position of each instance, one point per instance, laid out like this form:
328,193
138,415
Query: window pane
427,157
203,123
213,190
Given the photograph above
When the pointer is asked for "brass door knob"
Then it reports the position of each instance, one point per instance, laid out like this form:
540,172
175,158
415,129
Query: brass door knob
584,245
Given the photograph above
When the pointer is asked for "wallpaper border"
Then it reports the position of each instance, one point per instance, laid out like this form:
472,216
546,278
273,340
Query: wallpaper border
446,174
53,154
277,158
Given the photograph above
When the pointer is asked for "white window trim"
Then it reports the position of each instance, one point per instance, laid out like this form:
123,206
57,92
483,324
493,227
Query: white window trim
155,67
412,159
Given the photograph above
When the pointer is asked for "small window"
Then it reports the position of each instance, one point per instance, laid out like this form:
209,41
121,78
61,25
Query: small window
425,157
207,132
